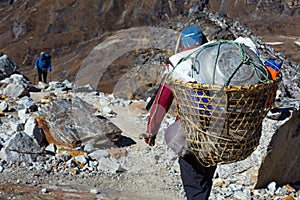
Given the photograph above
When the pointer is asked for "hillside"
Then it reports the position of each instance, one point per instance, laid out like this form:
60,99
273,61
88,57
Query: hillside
70,29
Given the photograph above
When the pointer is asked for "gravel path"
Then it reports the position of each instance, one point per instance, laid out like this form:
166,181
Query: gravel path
148,173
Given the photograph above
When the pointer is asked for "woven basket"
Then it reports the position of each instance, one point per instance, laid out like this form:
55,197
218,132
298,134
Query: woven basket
223,124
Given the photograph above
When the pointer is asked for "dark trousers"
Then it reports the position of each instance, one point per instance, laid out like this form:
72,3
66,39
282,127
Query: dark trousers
196,179
42,74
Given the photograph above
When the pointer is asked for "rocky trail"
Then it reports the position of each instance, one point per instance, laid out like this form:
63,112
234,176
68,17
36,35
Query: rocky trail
134,172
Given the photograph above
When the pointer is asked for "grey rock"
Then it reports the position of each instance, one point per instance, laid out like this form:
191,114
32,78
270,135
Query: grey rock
7,67
58,86
241,195
17,79
32,129
23,115
42,86
215,195
271,187
16,124
85,88
93,164
89,148
27,103
70,163
3,106
14,90
109,165
104,101
51,148
283,191
81,159
282,160
20,148
107,110
71,122
95,191
68,84
38,96
235,187
98,154
44,190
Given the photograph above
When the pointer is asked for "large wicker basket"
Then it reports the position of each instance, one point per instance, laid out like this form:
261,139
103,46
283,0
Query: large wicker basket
223,124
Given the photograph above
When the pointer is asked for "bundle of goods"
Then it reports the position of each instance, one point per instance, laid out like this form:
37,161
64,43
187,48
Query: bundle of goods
222,106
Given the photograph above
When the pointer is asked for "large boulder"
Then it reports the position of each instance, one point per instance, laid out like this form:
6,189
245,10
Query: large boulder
72,122
7,67
277,156
281,160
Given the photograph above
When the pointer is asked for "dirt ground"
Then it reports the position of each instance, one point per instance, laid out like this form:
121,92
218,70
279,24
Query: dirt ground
23,182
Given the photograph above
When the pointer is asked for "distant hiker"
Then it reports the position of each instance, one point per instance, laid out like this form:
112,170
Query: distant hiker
197,179
43,65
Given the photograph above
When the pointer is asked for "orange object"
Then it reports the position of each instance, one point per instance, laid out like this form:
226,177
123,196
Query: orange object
274,73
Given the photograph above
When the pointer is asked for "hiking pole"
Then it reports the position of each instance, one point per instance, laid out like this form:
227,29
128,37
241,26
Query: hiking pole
34,77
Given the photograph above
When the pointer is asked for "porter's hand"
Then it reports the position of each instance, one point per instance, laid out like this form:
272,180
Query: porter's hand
150,140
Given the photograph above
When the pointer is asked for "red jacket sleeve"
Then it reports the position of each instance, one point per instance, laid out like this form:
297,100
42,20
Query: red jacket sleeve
160,107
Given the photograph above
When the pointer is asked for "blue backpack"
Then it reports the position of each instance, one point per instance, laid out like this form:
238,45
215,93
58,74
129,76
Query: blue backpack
44,62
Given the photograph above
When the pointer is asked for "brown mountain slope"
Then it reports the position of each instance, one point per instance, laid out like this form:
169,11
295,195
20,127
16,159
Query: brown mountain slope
275,21
70,29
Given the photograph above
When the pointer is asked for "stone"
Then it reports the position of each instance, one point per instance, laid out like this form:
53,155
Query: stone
104,102
27,103
71,122
17,79
107,110
282,160
282,191
81,159
42,85
272,187
44,190
51,148
98,154
3,106
68,84
20,148
16,124
7,67
32,129
110,165
14,90
95,191
23,115
57,86
38,96
89,148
